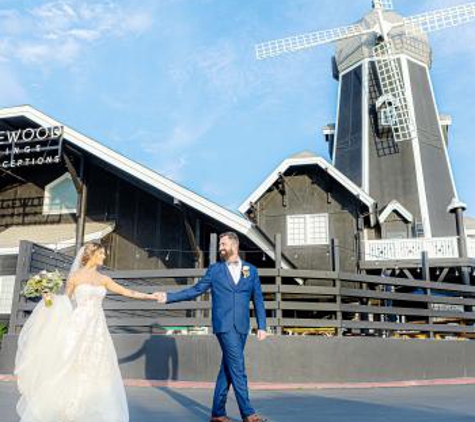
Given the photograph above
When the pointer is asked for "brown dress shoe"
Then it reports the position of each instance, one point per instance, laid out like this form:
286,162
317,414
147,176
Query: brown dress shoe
220,419
254,418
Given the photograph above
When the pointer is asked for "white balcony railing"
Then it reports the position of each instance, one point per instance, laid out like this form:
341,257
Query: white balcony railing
471,247
396,249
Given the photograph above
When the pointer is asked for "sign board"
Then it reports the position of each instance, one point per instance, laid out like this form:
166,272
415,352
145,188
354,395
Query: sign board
31,146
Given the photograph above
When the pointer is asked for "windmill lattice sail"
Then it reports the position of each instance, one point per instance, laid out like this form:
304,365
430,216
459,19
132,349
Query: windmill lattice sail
301,42
394,89
440,19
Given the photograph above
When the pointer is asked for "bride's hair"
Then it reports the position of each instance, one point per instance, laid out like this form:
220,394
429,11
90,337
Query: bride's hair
90,248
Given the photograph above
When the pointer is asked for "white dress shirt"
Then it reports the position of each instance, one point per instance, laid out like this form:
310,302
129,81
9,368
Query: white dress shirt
235,270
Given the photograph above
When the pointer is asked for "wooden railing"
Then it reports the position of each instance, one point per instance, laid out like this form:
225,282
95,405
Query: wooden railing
332,303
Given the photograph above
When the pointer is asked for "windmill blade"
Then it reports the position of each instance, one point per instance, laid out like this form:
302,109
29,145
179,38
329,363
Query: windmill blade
383,4
393,88
440,19
301,42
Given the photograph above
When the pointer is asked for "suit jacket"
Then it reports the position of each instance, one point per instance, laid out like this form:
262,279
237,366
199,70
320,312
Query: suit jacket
230,301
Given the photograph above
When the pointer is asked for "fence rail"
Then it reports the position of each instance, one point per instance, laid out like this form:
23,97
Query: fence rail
336,304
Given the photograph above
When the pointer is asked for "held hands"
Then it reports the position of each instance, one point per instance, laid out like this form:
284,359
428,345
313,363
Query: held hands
261,335
160,297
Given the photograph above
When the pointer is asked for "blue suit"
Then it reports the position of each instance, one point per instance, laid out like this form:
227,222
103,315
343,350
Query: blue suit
231,324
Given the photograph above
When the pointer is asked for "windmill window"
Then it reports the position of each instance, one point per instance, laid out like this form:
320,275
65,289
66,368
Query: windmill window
307,229
60,196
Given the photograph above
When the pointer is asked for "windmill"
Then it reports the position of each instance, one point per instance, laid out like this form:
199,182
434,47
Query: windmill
388,137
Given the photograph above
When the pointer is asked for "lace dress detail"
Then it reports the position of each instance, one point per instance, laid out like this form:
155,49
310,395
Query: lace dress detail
83,382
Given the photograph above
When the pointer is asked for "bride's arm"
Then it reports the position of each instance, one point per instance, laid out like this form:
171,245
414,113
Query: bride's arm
70,287
114,287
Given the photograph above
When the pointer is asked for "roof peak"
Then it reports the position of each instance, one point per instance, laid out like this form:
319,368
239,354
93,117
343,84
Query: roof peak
304,154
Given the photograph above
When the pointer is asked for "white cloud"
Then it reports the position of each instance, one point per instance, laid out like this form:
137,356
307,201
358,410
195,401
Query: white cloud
173,169
57,32
169,154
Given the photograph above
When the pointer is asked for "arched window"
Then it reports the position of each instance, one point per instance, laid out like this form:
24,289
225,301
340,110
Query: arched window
60,196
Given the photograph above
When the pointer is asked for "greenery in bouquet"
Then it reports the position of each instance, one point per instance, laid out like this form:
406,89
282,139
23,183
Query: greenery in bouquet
3,331
44,283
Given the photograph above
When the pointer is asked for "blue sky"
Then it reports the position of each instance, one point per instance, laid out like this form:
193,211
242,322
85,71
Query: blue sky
174,85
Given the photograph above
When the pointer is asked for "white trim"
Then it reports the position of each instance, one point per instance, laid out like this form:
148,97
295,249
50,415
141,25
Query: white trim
335,138
231,219
401,56
365,126
354,65
442,137
424,208
302,161
374,59
445,119
47,196
395,206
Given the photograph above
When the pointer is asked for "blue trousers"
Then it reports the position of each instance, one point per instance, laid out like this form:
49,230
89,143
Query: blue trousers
232,372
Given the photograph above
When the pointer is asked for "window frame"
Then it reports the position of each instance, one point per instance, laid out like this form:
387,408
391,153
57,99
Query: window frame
307,235
47,197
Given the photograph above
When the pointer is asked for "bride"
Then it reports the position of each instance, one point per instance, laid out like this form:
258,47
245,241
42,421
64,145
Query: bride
66,364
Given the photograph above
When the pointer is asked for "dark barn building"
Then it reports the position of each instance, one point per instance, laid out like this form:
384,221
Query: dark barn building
145,220
310,202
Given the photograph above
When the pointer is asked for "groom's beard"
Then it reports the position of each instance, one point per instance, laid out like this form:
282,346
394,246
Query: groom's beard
225,254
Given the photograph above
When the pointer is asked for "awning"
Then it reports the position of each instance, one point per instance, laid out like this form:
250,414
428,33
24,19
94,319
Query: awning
53,236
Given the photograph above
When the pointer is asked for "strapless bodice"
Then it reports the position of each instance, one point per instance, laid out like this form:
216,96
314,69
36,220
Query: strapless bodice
89,294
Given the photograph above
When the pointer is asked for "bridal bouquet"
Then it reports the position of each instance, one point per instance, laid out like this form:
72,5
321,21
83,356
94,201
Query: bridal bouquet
45,282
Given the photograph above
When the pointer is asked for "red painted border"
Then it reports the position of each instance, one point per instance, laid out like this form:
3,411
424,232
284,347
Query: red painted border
288,386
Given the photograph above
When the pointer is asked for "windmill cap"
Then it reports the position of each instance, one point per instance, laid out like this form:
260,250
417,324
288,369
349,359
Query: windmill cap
455,205
351,51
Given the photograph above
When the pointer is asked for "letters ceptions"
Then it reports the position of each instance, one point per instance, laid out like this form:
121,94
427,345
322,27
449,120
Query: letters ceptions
31,146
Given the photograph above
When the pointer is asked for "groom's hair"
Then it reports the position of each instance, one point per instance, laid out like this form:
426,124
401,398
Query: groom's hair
232,236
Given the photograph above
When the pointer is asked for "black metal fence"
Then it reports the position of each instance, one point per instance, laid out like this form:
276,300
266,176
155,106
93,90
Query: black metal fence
328,303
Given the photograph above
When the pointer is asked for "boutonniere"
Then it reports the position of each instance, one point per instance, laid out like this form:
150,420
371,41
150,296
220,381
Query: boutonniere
246,271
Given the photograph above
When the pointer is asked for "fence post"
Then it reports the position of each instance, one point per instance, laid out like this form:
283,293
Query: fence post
278,281
426,277
22,272
213,248
335,255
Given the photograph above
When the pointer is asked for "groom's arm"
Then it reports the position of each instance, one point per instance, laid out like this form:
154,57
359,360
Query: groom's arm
258,300
190,293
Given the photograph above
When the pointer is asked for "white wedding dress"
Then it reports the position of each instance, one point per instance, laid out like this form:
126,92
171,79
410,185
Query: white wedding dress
66,363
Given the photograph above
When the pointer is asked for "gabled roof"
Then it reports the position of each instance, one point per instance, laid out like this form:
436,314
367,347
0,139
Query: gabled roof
395,206
306,158
150,177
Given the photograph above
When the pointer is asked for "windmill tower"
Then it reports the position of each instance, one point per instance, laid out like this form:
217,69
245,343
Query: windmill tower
388,136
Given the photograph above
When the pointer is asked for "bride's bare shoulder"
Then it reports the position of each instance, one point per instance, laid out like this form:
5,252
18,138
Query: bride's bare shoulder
76,274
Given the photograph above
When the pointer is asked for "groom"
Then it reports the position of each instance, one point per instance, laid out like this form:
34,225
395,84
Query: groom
234,284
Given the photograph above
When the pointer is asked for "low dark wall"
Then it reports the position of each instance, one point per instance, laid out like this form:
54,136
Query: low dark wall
4,319
287,359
